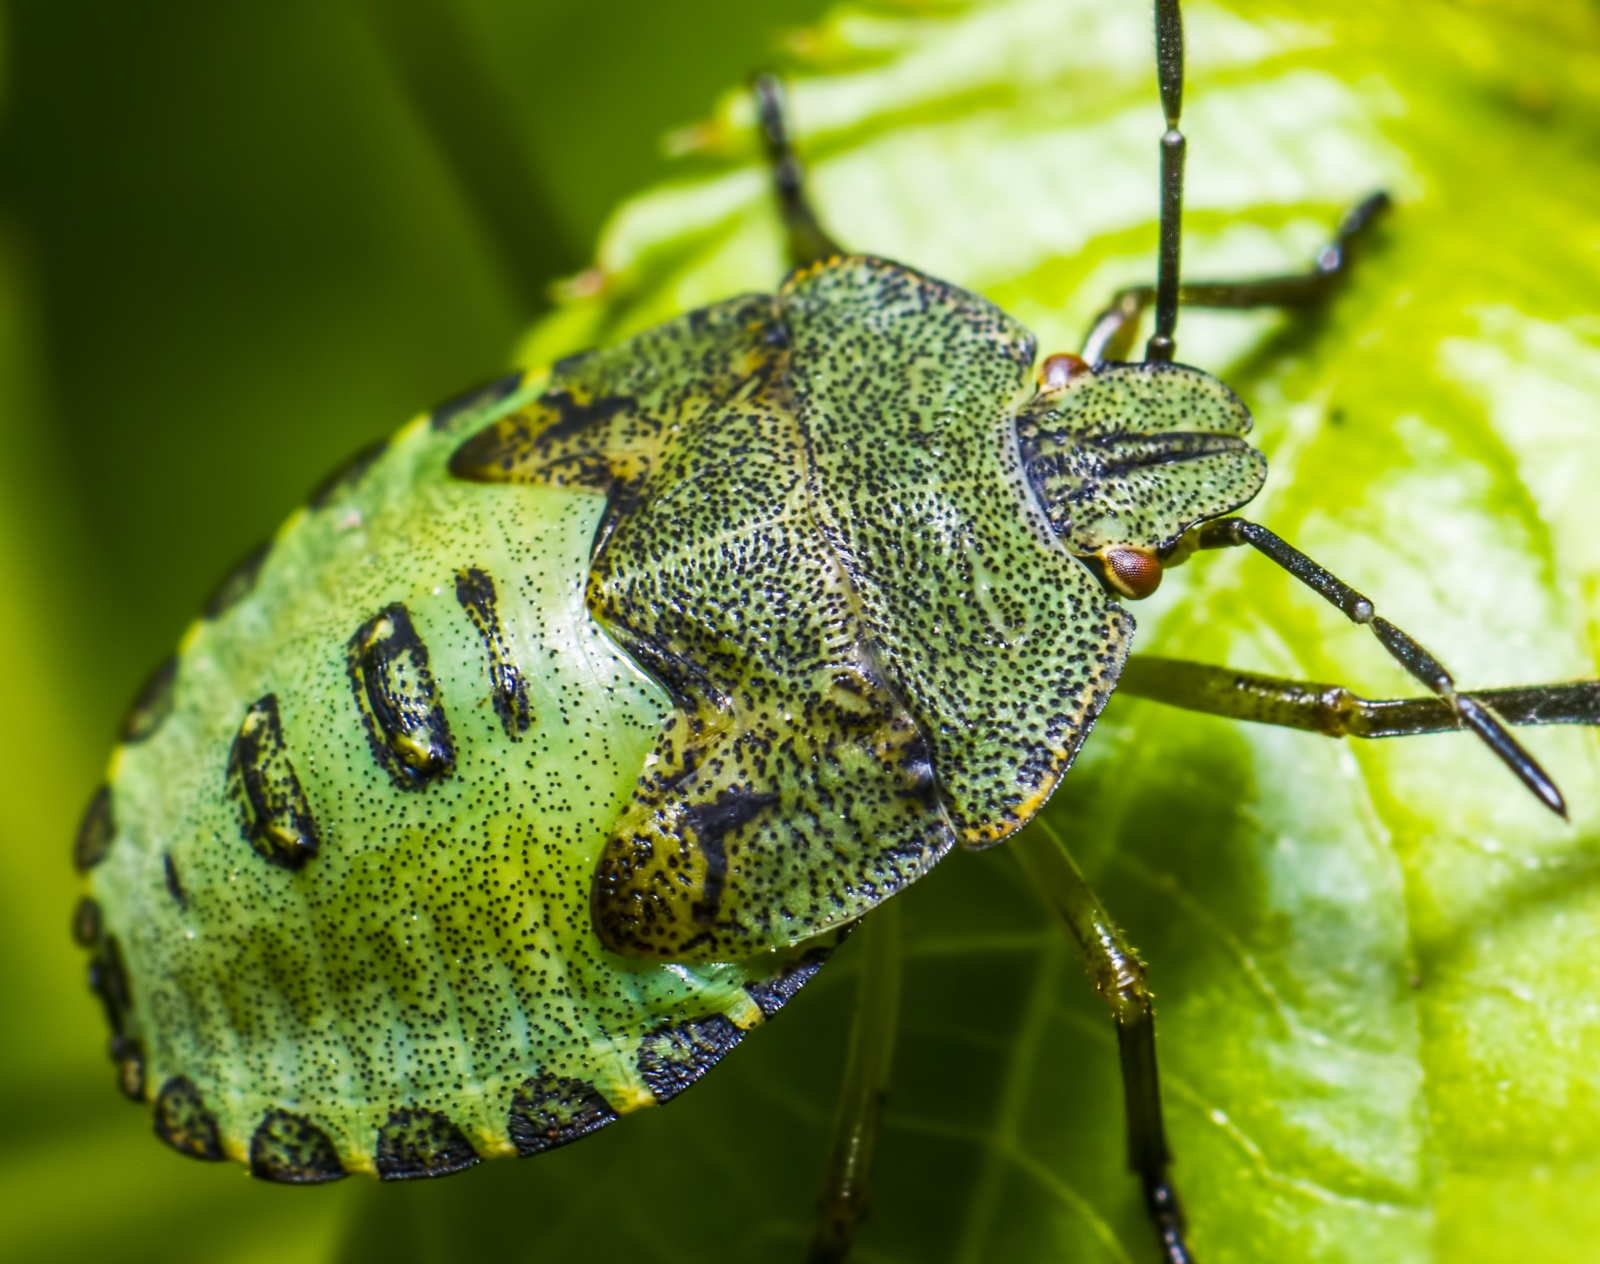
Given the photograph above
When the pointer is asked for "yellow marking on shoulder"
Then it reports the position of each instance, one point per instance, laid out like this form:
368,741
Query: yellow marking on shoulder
981,836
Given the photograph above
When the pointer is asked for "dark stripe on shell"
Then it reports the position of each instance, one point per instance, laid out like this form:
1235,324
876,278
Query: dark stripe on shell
552,1110
399,700
417,1143
184,1123
673,1057
96,831
153,703
290,1150
238,583
475,591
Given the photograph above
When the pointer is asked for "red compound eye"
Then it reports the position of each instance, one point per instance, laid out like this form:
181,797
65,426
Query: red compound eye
1135,573
1061,368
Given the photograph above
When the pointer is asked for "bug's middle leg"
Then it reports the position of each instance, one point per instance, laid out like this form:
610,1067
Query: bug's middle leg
847,1184
1337,712
1119,978
1112,334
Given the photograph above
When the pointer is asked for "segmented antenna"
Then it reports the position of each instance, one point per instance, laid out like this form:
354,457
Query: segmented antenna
1169,70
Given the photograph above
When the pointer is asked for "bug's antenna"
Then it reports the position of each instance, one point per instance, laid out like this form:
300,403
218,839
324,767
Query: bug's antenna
1169,70
808,240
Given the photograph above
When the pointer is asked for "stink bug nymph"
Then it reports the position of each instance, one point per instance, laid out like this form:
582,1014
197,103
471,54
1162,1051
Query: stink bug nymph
832,579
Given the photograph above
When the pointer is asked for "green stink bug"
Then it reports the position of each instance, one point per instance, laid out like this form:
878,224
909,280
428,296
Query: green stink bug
396,688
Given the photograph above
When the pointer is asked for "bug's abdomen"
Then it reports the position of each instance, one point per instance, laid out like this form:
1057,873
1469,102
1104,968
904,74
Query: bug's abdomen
340,877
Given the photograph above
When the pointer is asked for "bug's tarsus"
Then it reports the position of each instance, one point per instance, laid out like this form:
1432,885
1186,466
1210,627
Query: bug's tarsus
1427,670
846,1186
808,240
1119,978
1335,711
1169,71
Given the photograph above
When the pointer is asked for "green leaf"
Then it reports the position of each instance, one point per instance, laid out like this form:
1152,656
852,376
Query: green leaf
1375,963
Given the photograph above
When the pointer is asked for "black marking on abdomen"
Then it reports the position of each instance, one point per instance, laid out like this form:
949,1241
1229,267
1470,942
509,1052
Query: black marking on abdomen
239,582
184,1123
476,592
293,1151
774,993
128,1054
174,888
108,979
399,700
552,1110
86,923
274,816
421,1143
457,407
96,831
346,474
153,703
674,1057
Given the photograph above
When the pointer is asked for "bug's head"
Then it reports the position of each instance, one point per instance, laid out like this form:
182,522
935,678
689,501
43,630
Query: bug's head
1125,458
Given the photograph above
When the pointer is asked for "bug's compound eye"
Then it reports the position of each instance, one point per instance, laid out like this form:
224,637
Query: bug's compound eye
1133,572
1061,368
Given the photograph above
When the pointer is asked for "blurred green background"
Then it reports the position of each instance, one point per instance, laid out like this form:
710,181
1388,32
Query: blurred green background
241,240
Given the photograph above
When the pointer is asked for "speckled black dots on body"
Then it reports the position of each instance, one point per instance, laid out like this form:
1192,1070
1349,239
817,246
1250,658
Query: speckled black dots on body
401,706
780,616
184,1123
153,703
675,1057
552,1110
274,816
290,1150
416,1143
508,686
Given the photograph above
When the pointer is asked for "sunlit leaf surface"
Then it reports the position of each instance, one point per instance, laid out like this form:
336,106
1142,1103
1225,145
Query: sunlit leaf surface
1377,965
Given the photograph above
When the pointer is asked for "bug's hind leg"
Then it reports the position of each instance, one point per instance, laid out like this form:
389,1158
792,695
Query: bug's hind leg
846,1188
1112,334
1336,711
808,240
1119,978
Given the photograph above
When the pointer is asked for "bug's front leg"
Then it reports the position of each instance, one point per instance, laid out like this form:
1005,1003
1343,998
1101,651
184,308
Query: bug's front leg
847,1184
1470,713
1119,978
